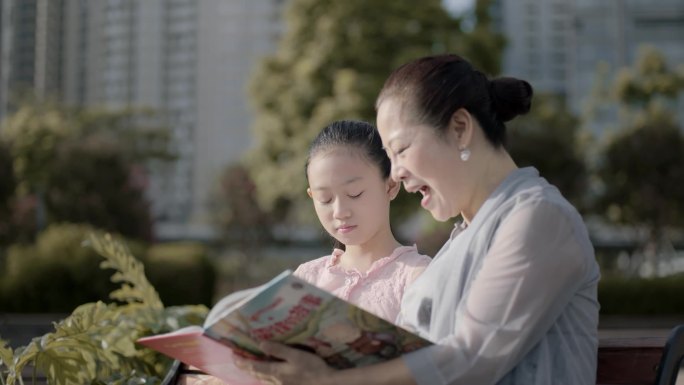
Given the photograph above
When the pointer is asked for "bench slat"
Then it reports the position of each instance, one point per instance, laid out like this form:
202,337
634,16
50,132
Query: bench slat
629,360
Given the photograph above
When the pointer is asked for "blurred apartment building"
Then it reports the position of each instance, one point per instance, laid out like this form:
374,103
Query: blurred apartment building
558,44
188,59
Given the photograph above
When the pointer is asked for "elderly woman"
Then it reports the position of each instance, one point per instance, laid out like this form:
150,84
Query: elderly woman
511,297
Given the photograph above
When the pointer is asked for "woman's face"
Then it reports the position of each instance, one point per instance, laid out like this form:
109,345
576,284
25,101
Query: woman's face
422,160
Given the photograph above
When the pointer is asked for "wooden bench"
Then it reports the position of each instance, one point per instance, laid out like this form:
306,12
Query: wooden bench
629,360
621,361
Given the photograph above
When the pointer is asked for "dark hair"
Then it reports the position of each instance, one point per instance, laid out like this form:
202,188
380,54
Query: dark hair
354,134
432,88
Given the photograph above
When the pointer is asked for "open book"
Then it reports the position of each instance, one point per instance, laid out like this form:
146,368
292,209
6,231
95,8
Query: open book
290,311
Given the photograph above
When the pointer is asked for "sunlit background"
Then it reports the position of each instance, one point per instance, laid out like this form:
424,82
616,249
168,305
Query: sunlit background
182,126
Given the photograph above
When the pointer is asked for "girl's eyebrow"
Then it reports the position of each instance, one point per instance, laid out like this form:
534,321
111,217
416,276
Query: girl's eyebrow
350,180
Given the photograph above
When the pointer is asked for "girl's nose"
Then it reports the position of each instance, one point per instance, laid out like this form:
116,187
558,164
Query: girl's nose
340,210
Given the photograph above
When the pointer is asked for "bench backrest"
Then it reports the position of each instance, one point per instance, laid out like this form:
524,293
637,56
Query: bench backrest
621,361
628,361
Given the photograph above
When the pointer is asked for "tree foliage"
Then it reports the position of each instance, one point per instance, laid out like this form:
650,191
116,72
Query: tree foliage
330,64
109,195
7,187
548,138
642,172
240,218
481,45
82,165
642,164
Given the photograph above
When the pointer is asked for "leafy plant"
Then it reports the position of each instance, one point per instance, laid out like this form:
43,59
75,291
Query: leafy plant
96,343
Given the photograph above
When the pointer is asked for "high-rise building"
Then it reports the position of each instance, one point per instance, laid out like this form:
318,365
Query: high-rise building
4,56
612,32
189,60
558,44
31,48
538,33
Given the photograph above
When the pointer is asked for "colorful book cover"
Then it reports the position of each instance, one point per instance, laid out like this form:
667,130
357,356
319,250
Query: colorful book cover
295,313
192,347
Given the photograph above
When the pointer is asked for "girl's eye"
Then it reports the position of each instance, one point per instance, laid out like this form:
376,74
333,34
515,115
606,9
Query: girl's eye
401,150
324,201
356,196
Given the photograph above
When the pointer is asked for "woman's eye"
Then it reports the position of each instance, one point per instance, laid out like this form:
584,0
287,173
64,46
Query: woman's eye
401,150
325,201
356,196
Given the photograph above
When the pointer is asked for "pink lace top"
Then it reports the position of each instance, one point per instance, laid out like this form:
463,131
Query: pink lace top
379,290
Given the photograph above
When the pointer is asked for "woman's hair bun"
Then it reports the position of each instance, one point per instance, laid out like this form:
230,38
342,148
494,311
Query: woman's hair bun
510,97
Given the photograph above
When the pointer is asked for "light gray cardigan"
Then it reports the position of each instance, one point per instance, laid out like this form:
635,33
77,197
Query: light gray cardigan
510,298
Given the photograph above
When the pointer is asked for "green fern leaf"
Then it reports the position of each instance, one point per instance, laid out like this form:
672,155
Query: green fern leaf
6,354
64,367
22,356
129,271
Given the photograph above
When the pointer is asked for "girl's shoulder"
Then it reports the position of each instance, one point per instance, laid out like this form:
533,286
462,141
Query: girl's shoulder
409,255
313,268
409,264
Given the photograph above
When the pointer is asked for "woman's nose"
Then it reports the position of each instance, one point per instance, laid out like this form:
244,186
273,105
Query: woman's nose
398,173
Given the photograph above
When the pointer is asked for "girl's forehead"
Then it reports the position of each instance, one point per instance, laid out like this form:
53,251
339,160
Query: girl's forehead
340,160
339,152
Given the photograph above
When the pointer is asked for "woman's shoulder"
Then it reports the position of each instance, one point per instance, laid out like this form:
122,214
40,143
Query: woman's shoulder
528,191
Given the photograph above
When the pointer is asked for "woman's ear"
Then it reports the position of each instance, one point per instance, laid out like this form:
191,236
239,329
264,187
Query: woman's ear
392,188
308,192
460,129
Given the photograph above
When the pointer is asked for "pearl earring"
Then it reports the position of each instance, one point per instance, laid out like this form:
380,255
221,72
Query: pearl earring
465,154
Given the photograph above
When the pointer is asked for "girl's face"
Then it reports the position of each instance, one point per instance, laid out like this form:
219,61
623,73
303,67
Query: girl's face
350,195
422,160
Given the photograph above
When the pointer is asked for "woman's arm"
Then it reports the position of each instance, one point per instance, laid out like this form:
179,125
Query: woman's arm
302,368
534,267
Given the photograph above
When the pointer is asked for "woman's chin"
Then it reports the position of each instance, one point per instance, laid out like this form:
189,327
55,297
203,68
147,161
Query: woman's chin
439,215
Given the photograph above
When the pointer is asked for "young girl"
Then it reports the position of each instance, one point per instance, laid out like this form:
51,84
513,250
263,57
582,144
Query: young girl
349,182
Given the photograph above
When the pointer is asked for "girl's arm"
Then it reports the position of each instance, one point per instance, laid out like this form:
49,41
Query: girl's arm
302,368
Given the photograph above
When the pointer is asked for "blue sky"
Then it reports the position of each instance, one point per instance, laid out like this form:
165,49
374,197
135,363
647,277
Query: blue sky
458,6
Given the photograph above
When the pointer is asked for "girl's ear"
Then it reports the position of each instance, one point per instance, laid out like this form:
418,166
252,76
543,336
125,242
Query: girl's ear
308,192
461,128
393,188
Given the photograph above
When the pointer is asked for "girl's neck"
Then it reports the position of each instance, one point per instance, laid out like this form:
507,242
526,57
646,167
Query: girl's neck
361,257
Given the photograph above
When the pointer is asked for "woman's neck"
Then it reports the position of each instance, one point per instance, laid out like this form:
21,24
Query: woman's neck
496,167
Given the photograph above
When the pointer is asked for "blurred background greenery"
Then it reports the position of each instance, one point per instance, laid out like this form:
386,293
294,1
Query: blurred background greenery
67,169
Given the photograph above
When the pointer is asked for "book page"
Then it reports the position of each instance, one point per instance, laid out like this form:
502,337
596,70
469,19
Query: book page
234,300
294,312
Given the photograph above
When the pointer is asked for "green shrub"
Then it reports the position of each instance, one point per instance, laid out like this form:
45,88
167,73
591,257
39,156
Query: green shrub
638,296
57,274
182,273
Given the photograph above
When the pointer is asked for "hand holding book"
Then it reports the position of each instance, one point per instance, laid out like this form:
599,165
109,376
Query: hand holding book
292,312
